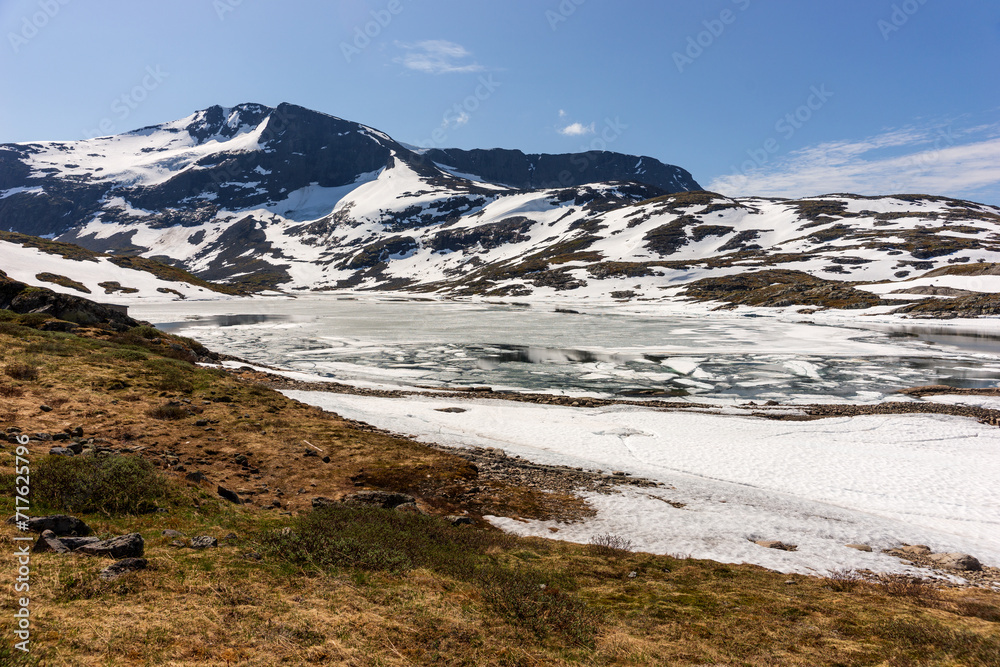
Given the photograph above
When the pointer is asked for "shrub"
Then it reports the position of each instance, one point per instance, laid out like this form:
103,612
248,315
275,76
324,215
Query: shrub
34,320
385,540
168,412
610,545
21,371
89,484
10,391
528,598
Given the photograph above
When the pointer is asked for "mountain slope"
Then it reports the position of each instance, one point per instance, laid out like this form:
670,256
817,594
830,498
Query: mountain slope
292,198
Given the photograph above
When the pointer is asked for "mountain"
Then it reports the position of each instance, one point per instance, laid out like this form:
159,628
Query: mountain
290,198
531,172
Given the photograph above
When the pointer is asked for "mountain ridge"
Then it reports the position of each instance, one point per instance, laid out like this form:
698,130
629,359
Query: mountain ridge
294,199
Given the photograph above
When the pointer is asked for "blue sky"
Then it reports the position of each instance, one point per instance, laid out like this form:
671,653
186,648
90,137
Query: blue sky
784,98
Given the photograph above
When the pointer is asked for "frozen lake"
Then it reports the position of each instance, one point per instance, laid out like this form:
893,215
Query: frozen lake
729,478
601,351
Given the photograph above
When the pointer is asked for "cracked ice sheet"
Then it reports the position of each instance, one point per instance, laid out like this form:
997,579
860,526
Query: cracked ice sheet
877,480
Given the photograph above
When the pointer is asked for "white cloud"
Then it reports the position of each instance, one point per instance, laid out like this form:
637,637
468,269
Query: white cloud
458,121
926,161
562,113
577,129
437,56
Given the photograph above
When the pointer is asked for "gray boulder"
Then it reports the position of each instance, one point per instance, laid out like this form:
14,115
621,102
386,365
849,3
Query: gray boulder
123,567
231,496
75,543
320,502
60,524
204,542
957,561
124,546
49,542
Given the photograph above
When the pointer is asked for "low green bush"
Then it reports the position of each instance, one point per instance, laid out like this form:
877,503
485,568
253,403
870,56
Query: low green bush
98,484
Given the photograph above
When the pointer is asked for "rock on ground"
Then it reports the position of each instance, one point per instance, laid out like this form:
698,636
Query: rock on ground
123,567
49,542
124,546
60,524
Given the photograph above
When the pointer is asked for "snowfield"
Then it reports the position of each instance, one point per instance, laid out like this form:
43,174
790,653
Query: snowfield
877,480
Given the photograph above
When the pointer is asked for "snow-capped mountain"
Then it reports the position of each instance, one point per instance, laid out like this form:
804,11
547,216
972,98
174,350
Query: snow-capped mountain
296,199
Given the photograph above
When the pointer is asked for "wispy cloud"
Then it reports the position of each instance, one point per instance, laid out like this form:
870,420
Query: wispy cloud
437,56
936,160
577,130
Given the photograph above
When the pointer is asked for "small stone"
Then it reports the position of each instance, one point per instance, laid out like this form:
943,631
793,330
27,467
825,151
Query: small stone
201,422
196,477
180,544
859,547
204,542
633,574
326,459
60,451
45,408
123,567
74,543
776,544
620,473
451,410
169,532
789,582
916,549
459,520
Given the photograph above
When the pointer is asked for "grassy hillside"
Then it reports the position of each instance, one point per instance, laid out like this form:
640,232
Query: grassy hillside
362,586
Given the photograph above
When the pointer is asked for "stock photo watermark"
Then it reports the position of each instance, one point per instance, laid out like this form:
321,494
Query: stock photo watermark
786,127
562,13
944,139
365,34
34,23
225,7
22,545
461,112
901,15
704,40
123,105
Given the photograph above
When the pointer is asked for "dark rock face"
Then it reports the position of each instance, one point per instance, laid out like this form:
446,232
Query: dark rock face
21,298
526,171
